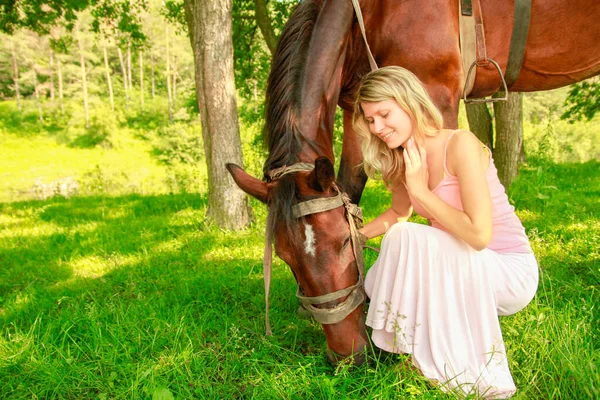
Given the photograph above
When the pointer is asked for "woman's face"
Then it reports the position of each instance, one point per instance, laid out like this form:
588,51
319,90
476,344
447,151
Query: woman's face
389,122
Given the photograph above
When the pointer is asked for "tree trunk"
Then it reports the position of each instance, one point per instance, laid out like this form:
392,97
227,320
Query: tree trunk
52,75
124,72
108,80
210,34
129,78
168,72
141,57
264,23
37,95
153,93
60,85
174,82
480,123
84,84
16,75
509,136
255,97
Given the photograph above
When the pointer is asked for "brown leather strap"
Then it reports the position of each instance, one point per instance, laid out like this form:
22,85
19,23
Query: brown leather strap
467,41
267,269
316,205
480,35
359,17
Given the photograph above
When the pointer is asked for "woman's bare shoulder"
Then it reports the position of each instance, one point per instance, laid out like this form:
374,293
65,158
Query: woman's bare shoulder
463,148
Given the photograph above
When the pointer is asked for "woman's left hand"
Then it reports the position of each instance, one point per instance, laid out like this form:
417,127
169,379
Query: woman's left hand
416,172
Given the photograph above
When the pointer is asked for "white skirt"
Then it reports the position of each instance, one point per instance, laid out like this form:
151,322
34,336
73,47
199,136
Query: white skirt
435,297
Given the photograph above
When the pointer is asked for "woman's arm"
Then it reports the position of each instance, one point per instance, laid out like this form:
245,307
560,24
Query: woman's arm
400,211
464,159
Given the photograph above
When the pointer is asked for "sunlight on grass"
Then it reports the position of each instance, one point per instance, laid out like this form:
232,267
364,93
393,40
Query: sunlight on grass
96,267
527,216
125,290
22,298
169,246
43,161
187,217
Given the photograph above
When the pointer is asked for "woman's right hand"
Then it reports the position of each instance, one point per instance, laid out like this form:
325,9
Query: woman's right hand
416,172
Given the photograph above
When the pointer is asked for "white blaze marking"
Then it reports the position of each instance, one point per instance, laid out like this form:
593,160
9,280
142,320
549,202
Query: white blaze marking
309,242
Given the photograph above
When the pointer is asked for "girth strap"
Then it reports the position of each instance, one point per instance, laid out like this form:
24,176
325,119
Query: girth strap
518,40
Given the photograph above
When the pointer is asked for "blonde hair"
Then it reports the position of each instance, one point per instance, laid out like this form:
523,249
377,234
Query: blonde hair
401,85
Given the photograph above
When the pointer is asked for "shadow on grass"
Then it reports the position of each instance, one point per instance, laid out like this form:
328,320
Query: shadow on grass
122,295
67,247
40,247
133,281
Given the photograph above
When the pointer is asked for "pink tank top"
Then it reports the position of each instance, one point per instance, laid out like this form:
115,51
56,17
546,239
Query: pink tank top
508,234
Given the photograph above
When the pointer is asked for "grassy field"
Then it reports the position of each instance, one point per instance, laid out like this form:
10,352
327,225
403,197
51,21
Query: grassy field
126,291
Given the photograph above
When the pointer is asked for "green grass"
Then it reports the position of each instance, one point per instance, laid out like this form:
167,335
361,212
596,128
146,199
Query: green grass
133,295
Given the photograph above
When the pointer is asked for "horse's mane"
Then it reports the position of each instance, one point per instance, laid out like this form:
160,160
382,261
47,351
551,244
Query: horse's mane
283,97
284,89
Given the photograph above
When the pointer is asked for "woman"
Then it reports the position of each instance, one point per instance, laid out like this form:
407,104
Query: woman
436,291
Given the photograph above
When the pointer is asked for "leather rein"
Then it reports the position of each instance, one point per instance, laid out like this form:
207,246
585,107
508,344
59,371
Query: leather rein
354,294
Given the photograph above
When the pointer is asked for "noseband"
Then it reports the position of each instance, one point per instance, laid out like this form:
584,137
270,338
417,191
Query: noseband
354,294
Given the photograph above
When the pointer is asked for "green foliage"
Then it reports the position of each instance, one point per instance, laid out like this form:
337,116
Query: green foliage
119,18
583,101
173,11
100,132
178,143
547,137
251,55
252,58
116,16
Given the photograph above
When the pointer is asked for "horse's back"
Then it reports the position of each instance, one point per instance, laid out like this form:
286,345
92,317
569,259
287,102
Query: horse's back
563,45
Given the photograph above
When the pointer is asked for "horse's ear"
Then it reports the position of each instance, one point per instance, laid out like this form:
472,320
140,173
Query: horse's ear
249,184
324,173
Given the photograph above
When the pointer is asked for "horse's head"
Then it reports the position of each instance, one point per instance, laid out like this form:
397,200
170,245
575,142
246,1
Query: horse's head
312,225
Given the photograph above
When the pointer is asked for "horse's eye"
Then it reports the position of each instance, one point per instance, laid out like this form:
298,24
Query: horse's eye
346,243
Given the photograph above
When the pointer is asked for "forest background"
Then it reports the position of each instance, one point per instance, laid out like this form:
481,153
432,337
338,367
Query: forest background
113,284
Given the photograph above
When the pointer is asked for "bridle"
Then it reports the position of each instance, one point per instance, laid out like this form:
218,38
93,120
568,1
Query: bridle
354,294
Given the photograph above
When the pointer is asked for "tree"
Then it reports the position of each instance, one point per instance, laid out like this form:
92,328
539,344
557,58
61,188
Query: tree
37,93
168,76
509,137
16,74
153,85
264,22
209,26
583,100
509,132
124,73
480,123
210,29
108,79
51,71
60,85
84,82
252,57
141,58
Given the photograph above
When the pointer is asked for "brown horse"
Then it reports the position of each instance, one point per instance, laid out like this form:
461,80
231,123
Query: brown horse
318,64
